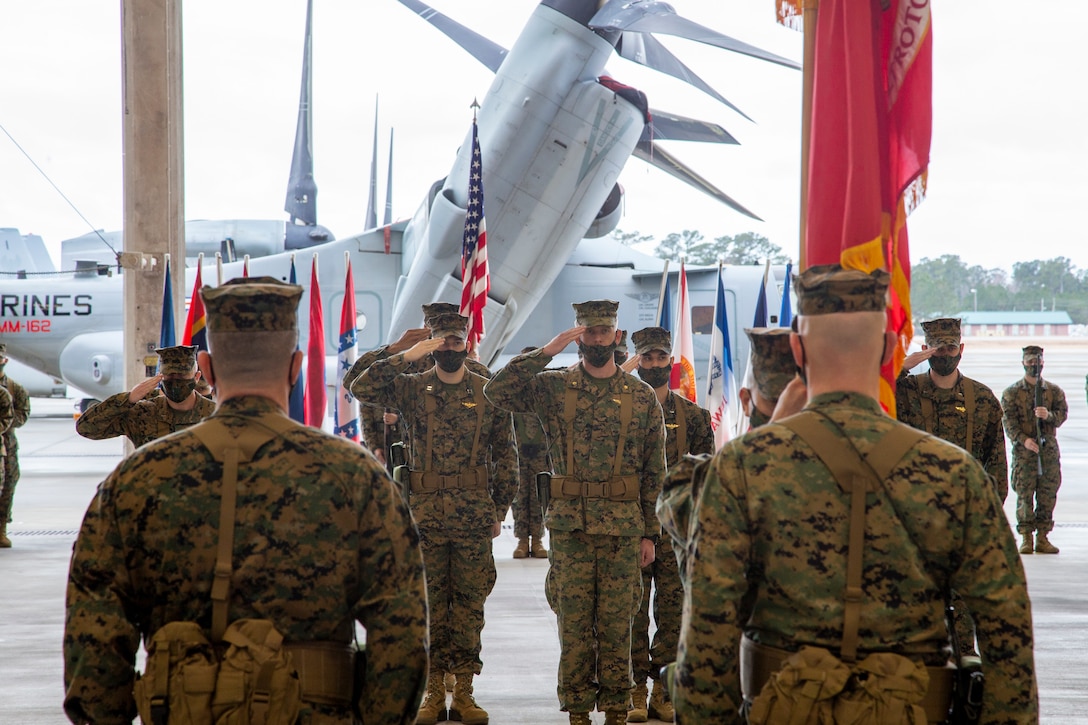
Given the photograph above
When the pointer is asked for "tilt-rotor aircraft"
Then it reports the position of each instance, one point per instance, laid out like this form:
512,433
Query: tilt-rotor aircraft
555,132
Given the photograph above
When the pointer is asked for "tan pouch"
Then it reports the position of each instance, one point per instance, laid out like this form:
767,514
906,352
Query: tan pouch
257,685
179,677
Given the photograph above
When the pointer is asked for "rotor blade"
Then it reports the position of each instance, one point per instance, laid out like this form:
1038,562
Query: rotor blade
652,16
655,155
479,47
647,50
672,127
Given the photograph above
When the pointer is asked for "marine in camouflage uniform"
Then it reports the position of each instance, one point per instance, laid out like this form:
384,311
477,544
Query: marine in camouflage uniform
532,459
9,444
770,537
143,418
1036,495
946,403
463,477
687,430
600,515
322,540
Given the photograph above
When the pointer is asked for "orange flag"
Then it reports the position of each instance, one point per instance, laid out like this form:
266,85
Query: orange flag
869,150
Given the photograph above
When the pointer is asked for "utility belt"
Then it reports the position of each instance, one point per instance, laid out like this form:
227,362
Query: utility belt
430,481
326,671
758,662
616,488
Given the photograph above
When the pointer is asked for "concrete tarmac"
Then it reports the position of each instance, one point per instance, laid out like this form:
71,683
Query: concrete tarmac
60,471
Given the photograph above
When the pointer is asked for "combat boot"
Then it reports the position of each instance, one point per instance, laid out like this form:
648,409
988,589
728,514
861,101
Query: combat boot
580,718
1043,545
638,713
433,707
660,707
5,542
616,717
538,551
521,551
449,680
464,707
1027,547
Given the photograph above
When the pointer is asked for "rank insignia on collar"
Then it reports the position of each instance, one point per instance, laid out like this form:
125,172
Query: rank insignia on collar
672,425
469,404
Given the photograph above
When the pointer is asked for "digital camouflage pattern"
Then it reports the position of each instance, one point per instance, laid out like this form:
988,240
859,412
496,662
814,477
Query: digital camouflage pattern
1036,496
950,417
768,560
942,331
249,304
322,540
596,312
143,421
532,459
773,366
828,288
455,523
652,338
594,543
11,418
177,360
664,572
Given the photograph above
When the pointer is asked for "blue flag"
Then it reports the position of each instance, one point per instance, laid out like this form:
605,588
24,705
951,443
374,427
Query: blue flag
167,336
295,408
760,319
785,315
666,309
721,394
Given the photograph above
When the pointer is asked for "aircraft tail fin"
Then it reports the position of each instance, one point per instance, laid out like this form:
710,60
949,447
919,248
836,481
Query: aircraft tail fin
23,253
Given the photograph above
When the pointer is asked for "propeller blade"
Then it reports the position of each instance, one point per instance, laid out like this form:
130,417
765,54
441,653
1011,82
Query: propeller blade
666,126
653,16
645,49
489,53
656,156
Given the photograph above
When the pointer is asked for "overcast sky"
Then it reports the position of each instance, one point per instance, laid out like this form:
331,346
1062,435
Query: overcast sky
1007,172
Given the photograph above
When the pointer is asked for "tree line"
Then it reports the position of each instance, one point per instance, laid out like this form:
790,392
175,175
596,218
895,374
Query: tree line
940,287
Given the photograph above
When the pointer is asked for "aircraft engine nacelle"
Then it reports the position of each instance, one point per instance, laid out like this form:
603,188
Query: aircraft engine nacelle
92,362
609,216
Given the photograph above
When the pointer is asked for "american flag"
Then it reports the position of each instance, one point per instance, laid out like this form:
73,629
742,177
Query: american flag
474,274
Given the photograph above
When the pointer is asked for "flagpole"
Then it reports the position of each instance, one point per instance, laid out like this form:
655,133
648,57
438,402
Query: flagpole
661,292
810,11
218,269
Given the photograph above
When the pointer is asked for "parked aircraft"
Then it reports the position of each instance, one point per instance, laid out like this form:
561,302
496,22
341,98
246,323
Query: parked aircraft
554,137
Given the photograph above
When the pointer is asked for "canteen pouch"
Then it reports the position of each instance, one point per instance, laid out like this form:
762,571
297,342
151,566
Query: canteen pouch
179,677
814,687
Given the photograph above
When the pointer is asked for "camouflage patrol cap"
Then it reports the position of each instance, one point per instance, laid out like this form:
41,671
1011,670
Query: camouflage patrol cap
439,308
448,324
178,360
1033,351
942,331
773,365
652,338
596,312
829,288
252,304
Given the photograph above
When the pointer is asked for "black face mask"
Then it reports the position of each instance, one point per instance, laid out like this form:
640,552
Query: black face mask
757,418
596,355
655,377
944,364
449,361
1034,370
177,390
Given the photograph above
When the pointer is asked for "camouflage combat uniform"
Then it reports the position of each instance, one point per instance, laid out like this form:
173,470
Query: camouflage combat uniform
593,583
454,522
9,446
773,522
321,540
143,421
532,459
646,659
1036,495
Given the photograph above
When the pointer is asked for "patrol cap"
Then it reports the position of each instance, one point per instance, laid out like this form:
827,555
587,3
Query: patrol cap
439,308
829,288
1033,351
942,331
596,312
652,338
178,360
252,304
772,359
448,324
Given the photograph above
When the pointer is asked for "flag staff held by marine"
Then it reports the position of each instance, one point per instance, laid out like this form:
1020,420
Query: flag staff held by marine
475,277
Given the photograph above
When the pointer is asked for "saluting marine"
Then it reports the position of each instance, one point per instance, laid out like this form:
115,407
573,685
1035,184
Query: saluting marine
13,414
462,477
321,540
1033,410
687,430
607,444
143,418
801,573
